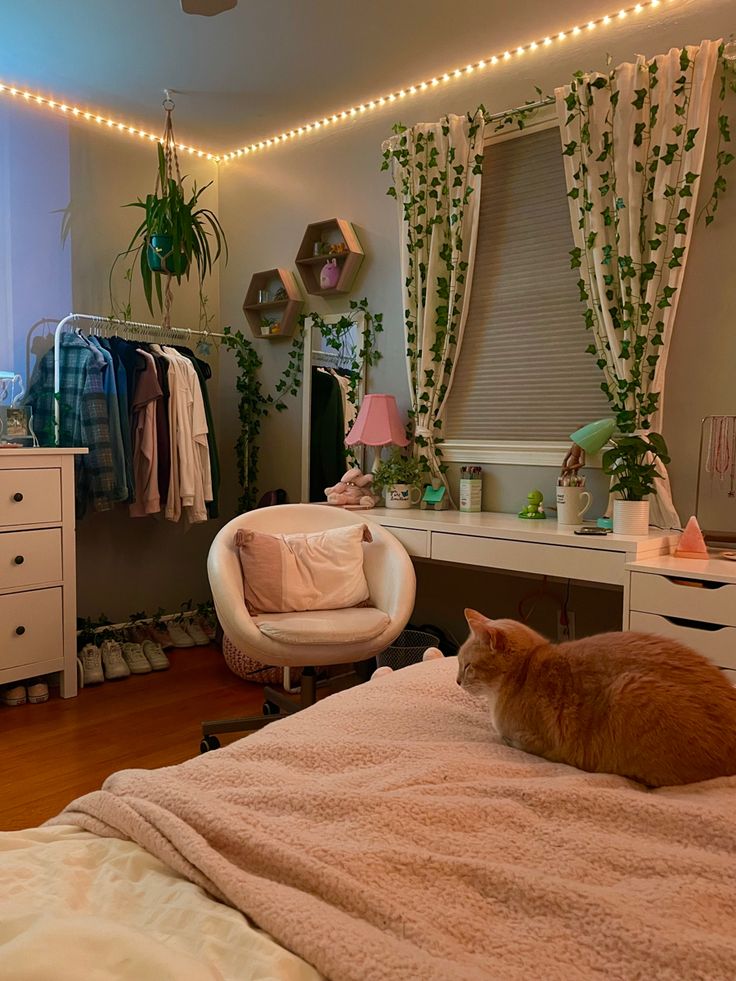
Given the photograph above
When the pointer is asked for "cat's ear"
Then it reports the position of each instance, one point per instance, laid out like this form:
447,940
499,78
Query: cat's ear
476,621
486,630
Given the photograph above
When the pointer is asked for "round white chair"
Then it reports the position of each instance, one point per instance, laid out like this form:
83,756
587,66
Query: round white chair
312,639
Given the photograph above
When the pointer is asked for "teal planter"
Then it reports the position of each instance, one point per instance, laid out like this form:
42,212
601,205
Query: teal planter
161,258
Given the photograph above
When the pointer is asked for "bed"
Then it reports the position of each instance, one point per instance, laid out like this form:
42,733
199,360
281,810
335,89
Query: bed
384,834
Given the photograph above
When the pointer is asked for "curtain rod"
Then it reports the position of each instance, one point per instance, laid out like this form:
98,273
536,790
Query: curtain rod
492,117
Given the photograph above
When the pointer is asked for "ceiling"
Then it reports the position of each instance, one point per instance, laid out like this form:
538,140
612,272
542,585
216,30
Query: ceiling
263,67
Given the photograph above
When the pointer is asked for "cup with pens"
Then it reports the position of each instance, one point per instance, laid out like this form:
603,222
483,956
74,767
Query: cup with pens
573,500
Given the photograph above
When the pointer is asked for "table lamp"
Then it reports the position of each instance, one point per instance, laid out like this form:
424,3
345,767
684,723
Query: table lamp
587,439
378,424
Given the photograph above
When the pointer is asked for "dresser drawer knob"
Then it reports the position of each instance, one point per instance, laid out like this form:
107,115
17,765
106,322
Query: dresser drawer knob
20,631
19,559
17,497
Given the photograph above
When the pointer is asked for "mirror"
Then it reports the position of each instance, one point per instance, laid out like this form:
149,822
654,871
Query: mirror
333,385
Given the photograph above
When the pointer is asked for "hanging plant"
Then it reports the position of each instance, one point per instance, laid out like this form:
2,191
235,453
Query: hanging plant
255,405
176,233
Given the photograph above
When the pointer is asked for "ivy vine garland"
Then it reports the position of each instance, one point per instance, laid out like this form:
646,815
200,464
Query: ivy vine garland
255,405
635,309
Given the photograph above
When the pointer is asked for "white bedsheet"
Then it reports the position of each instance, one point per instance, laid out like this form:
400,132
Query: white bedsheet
74,906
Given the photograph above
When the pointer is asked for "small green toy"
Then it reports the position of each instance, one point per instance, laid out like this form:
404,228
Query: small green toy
535,508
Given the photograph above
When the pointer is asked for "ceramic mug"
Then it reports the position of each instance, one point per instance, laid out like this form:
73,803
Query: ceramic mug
400,496
572,503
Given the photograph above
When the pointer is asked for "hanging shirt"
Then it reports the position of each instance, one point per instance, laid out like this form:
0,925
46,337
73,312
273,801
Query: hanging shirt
204,373
145,454
82,416
109,385
172,510
195,477
121,384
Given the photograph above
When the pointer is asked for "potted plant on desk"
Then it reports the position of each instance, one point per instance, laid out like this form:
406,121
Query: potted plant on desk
632,465
399,477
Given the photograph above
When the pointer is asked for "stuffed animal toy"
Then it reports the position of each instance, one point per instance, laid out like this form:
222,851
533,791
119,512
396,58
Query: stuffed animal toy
352,490
329,276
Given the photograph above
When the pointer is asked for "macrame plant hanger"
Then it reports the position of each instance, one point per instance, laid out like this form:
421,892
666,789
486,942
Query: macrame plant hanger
168,144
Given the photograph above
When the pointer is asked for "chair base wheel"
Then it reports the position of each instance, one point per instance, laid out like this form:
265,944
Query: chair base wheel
208,743
270,708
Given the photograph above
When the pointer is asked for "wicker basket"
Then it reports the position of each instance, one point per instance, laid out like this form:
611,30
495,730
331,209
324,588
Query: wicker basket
249,670
407,649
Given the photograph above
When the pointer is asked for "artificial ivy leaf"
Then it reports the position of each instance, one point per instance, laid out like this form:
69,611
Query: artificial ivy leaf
570,148
638,102
690,139
684,60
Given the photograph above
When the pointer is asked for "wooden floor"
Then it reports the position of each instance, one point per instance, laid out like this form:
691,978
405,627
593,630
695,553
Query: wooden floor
54,752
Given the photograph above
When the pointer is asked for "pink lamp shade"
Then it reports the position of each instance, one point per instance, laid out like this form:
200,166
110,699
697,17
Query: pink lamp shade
378,423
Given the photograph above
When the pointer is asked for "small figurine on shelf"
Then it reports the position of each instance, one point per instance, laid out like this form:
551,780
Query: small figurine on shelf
281,294
535,508
338,248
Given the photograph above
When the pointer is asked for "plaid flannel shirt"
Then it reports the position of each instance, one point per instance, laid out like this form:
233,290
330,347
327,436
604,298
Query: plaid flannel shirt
83,417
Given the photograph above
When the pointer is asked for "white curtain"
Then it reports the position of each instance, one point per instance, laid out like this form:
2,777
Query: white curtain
436,169
633,144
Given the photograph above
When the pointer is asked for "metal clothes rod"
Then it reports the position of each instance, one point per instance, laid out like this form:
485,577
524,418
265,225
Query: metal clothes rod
127,326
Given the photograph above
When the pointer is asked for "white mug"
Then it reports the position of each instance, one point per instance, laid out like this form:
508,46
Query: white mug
572,503
400,496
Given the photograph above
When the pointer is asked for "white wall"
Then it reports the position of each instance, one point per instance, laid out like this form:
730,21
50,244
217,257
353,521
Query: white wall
35,271
269,198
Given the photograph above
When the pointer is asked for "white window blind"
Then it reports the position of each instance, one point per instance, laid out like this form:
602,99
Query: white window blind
523,373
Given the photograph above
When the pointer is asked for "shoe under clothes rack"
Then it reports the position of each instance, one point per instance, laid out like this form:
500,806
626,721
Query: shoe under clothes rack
107,326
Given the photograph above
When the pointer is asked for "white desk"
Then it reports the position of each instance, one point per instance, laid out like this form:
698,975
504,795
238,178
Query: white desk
507,543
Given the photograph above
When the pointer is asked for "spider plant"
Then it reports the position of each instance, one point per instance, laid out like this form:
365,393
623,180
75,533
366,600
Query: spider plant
174,234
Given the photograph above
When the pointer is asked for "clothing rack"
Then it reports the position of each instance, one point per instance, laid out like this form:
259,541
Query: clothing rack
122,327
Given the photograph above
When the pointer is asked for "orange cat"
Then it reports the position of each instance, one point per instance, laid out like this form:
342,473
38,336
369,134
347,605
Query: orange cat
634,704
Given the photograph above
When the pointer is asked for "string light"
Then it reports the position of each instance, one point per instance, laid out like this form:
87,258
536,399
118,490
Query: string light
489,61
79,113
347,113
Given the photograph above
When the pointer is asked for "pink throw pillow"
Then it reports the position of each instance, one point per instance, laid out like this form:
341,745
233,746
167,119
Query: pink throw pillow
298,572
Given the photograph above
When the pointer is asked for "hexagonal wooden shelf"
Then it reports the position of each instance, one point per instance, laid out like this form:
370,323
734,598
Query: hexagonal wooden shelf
281,311
332,233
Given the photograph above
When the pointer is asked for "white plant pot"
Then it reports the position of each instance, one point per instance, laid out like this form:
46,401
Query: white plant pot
631,518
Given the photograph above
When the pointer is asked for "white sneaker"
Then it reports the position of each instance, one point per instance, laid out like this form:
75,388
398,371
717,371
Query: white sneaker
15,695
91,660
195,631
136,659
112,661
155,656
179,637
38,692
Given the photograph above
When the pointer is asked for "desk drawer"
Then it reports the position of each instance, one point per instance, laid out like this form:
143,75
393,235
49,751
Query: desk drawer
30,558
30,497
700,601
415,541
592,565
718,644
31,628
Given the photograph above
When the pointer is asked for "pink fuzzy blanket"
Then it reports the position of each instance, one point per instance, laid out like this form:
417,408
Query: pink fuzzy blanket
388,834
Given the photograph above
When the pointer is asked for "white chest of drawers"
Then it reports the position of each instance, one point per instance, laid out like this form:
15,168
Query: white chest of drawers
691,601
38,596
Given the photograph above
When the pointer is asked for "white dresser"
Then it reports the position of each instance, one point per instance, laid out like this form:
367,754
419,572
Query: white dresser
691,601
38,596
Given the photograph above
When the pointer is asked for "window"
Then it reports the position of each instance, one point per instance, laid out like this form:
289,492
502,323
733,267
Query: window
523,375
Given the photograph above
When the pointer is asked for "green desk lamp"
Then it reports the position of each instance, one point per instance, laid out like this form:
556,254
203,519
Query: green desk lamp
588,439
